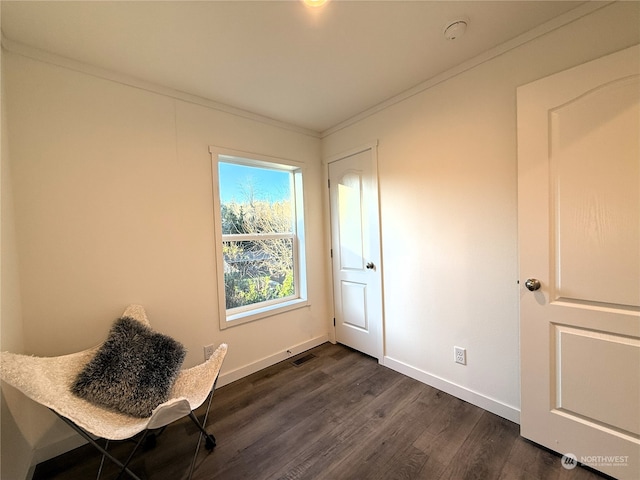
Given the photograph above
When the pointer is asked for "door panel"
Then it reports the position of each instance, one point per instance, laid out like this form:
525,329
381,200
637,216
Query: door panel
579,357
354,305
579,235
351,242
593,140
356,252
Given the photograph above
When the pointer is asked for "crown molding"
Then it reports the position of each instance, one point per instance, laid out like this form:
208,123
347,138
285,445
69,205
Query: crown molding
88,69
37,54
568,17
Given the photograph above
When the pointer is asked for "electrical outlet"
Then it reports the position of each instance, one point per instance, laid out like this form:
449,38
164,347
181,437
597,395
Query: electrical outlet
460,355
208,351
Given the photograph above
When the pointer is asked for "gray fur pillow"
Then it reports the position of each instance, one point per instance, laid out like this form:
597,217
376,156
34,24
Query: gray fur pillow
133,371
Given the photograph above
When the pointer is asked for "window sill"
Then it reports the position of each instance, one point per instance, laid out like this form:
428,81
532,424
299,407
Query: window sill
259,313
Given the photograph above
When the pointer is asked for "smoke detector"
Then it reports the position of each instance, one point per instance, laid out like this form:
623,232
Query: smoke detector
455,29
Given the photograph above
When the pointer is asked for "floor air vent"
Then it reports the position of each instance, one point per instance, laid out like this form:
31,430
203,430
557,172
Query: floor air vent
299,361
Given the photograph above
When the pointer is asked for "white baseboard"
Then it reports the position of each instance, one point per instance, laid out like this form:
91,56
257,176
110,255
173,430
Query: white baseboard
241,372
463,393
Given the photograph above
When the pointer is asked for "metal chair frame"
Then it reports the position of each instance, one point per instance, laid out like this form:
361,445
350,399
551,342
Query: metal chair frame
46,381
210,441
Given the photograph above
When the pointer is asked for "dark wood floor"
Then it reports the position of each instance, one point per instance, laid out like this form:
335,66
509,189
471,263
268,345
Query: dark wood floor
337,416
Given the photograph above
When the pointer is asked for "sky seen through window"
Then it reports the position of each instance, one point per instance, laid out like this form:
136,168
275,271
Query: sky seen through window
237,181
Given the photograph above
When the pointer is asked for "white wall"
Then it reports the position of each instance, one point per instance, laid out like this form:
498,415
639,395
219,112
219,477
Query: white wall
112,205
447,176
15,456
112,192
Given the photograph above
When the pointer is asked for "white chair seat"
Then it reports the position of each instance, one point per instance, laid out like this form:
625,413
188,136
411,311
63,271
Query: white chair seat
47,380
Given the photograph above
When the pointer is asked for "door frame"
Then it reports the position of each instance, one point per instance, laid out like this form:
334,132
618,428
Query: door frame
373,146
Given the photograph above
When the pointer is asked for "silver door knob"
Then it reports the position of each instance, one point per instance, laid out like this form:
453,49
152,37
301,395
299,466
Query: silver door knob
532,284
370,266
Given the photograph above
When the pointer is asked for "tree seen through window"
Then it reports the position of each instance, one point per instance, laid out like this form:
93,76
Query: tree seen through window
258,234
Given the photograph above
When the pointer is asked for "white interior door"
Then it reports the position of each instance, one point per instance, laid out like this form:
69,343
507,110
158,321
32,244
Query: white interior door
355,238
579,224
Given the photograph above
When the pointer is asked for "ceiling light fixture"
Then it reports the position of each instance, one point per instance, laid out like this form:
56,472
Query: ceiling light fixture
314,3
455,29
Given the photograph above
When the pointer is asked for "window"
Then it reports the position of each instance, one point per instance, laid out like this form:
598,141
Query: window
259,220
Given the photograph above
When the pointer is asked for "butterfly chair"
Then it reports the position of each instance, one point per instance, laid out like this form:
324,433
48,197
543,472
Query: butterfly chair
50,380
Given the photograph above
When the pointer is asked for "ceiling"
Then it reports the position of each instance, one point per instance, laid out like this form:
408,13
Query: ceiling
312,68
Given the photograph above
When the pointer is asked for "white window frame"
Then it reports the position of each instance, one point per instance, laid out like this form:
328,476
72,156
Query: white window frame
249,313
